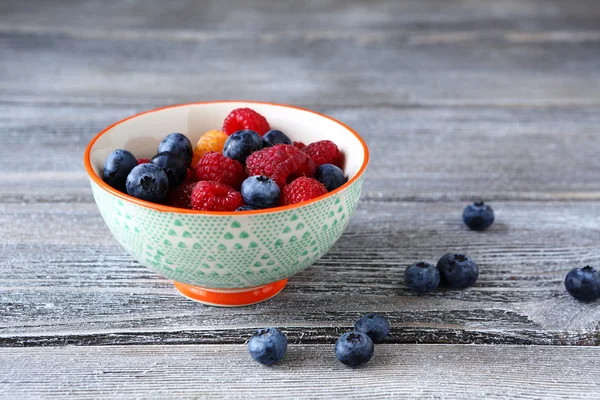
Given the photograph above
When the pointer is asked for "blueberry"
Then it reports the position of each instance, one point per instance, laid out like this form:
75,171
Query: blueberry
246,207
178,144
583,283
354,349
118,165
374,325
173,165
422,277
268,346
274,137
457,270
478,216
331,176
260,191
148,182
241,144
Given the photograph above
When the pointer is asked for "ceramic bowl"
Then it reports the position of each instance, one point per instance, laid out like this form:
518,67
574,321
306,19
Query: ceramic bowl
225,258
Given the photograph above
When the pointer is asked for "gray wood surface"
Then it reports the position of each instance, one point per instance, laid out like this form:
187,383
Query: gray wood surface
418,154
456,99
79,287
396,371
307,371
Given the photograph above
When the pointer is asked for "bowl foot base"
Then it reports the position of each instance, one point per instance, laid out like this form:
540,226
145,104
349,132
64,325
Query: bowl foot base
230,297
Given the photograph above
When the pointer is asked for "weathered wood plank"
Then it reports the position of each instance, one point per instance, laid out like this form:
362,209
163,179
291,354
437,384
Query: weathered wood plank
65,280
418,153
307,371
331,18
455,66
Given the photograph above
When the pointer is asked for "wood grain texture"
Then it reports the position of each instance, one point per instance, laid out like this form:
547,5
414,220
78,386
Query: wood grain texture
457,99
225,16
65,280
418,154
307,371
320,53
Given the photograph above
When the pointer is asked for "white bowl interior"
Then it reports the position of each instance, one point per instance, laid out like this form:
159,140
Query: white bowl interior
141,135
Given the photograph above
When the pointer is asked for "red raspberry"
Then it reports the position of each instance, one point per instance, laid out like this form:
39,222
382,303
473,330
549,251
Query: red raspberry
324,152
215,196
191,176
299,145
181,196
281,163
245,118
216,167
143,161
302,189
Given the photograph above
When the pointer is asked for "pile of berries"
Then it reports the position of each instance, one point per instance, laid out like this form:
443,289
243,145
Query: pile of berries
268,345
246,166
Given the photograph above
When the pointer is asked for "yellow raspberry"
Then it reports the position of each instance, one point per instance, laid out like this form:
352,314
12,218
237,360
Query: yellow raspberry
211,141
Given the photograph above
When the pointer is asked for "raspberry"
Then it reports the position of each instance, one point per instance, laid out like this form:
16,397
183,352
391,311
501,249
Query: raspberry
216,167
211,141
143,161
281,163
324,152
299,145
302,189
191,176
181,196
215,196
245,118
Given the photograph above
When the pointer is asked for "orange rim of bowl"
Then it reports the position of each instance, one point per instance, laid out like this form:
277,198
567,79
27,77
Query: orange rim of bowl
231,299
162,208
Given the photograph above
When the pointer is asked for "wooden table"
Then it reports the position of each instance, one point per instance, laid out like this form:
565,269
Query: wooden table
456,99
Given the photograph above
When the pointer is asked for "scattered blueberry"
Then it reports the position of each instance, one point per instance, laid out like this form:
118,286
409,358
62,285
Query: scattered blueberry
478,216
422,277
241,144
148,182
246,207
268,346
374,325
173,165
354,349
260,191
583,283
274,137
331,176
178,144
118,165
457,270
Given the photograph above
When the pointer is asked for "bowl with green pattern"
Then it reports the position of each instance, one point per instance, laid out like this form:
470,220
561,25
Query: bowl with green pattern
225,258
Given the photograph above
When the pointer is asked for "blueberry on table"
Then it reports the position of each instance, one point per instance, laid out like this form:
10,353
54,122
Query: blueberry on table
478,216
268,346
260,191
274,137
354,349
247,207
179,144
374,325
173,165
422,277
117,166
457,270
331,176
583,283
241,144
148,182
